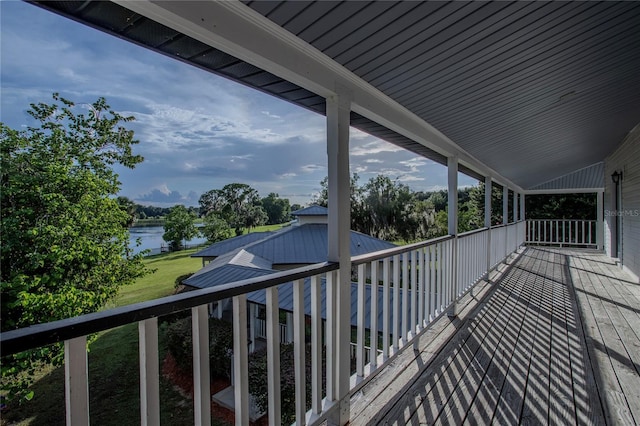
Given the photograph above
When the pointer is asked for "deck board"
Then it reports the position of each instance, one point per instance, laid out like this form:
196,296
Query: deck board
555,340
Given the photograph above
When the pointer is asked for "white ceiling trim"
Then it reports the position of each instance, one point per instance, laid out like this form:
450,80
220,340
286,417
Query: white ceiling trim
563,191
238,30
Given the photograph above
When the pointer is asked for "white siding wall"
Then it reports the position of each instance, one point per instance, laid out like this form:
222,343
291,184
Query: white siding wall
627,159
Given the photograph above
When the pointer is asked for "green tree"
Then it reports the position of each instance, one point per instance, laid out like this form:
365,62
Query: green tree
215,228
278,209
130,208
179,226
236,203
64,235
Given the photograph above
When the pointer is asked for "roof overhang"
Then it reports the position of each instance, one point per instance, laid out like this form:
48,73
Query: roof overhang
523,92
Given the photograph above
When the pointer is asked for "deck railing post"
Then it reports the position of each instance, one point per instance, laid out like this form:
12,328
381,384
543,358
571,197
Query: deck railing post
201,381
240,362
273,355
600,221
76,384
149,372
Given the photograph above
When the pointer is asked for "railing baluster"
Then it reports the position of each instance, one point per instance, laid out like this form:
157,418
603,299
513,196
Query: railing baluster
428,294
386,308
405,298
362,298
273,355
421,288
201,384
330,330
414,293
76,384
433,282
240,361
149,372
373,319
299,351
396,303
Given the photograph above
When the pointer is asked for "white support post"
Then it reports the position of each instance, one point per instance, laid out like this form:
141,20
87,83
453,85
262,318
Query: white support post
76,383
600,221
299,352
201,381
405,298
339,242
515,206
273,355
373,318
240,362
452,168
149,372
522,198
488,187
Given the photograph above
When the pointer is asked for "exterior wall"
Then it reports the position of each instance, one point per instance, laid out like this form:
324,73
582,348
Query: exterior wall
303,220
626,159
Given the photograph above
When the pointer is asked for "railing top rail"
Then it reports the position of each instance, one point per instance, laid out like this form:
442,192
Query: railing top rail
562,220
474,231
370,257
23,339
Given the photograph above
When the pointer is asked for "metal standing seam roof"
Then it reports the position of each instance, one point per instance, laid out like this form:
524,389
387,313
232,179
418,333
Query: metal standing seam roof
589,177
222,247
225,274
285,301
308,244
311,211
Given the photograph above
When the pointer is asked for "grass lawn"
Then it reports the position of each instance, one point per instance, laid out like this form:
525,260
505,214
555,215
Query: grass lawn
113,363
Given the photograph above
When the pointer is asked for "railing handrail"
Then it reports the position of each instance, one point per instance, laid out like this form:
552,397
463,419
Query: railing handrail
565,220
39,335
473,231
394,251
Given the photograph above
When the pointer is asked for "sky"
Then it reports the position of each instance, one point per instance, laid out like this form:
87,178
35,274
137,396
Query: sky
197,131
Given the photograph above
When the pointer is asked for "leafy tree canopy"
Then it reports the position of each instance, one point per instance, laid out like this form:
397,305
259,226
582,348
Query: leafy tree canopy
278,209
237,203
64,234
179,226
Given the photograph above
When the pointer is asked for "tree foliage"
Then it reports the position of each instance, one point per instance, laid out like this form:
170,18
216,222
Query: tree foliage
278,209
237,203
179,227
215,228
64,235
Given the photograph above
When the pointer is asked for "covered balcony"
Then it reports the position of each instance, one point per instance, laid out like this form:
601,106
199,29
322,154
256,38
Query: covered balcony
523,321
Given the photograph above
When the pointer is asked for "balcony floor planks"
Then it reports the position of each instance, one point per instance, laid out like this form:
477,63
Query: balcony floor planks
518,355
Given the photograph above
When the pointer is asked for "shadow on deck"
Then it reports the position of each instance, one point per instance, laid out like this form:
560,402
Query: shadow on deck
555,340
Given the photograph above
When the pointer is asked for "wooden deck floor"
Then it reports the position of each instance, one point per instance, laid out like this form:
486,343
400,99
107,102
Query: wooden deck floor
555,340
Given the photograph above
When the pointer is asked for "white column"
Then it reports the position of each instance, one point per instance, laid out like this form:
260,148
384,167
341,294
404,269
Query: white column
338,120
452,202
515,206
505,205
600,221
488,187
522,198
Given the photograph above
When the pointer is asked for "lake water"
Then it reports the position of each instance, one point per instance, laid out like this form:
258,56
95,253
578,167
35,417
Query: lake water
151,238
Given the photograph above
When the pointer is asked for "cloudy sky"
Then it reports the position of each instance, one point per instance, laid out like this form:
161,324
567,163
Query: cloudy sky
197,131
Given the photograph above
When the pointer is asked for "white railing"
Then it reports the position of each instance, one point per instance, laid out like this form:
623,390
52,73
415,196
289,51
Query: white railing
397,294
561,232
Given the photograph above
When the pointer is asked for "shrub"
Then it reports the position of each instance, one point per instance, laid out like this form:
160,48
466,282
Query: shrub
258,380
180,345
